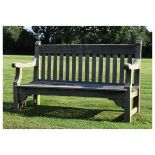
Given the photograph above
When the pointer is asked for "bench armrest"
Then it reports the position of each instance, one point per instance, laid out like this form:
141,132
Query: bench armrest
134,66
23,65
130,68
19,66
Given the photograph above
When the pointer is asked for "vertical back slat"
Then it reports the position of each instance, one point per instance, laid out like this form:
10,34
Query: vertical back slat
61,67
49,67
107,77
130,58
80,68
114,78
67,67
122,68
100,68
55,67
94,68
87,67
73,67
43,67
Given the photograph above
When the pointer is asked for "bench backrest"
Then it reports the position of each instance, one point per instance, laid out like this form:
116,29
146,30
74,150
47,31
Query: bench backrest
96,63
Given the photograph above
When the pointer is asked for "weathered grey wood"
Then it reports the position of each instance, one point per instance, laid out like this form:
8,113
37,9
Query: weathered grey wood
87,67
73,67
88,48
73,92
134,94
49,67
18,76
130,58
128,80
77,85
17,82
135,66
138,51
36,73
94,67
80,67
114,78
61,67
100,68
67,67
127,107
55,67
43,67
36,99
122,93
133,111
15,97
122,68
107,76
24,65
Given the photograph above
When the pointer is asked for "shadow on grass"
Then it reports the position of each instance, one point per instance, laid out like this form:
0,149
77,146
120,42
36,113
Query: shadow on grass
66,112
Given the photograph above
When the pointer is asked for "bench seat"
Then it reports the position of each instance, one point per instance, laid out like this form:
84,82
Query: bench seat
74,85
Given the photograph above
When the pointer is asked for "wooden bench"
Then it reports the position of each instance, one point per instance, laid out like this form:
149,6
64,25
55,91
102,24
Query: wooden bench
90,70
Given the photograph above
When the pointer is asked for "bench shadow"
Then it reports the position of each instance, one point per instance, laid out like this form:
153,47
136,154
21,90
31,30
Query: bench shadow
64,112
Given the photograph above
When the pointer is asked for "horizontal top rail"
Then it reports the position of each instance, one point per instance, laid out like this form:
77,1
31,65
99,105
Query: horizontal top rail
88,48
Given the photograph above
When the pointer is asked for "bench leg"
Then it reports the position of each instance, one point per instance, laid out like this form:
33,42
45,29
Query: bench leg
127,108
136,103
16,98
36,99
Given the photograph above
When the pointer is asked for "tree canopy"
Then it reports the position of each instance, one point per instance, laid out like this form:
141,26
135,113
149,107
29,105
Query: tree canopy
20,40
92,34
17,40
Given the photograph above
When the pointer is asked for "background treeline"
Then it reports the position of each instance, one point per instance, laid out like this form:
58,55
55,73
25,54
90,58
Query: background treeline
18,40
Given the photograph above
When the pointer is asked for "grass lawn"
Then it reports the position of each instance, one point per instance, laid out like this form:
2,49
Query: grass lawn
71,112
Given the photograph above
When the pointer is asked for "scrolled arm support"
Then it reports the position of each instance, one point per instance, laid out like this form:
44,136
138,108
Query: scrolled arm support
134,66
23,65
18,76
18,67
130,68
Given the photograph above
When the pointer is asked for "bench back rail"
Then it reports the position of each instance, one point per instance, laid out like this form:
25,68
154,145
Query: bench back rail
85,63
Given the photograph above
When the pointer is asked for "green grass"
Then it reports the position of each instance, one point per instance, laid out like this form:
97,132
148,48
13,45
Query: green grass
72,112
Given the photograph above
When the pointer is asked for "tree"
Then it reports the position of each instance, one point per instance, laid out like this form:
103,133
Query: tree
17,40
25,43
10,37
21,40
91,34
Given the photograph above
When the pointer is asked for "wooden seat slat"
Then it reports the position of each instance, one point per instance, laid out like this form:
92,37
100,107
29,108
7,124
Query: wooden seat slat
72,85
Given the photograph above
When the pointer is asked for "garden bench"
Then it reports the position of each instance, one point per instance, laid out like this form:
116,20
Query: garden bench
89,70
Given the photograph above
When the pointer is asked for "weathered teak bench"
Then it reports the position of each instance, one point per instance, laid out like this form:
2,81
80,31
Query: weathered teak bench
91,70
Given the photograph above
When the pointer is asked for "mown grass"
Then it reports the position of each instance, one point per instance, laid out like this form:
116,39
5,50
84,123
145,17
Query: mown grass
72,112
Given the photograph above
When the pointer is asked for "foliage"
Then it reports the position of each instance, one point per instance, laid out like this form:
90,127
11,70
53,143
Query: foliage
16,38
92,34
10,37
25,42
21,41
